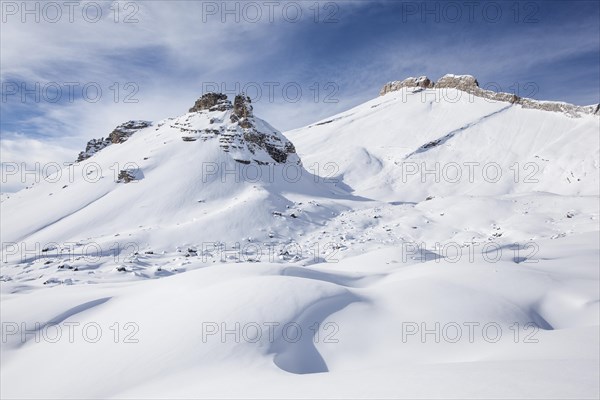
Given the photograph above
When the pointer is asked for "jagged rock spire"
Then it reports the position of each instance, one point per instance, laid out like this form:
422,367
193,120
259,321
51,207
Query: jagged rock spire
242,106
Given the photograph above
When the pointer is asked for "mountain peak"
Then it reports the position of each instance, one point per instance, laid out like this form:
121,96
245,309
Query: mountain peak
247,138
214,119
212,102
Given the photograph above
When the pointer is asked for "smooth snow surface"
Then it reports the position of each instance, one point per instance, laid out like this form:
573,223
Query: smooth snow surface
392,262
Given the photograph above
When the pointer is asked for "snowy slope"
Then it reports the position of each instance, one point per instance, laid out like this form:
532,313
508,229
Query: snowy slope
413,143
313,264
188,182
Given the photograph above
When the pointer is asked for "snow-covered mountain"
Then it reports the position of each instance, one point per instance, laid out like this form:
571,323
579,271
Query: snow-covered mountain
215,174
434,206
418,140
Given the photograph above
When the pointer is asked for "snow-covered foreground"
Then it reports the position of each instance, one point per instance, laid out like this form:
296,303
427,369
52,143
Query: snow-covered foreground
384,329
420,248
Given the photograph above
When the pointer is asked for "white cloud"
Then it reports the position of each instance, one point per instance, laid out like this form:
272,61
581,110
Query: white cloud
24,160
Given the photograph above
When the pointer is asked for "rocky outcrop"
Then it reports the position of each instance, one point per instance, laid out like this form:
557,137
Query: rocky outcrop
555,106
469,84
279,149
242,106
274,144
92,147
246,138
119,135
125,176
460,82
233,127
124,131
277,146
242,111
212,102
422,81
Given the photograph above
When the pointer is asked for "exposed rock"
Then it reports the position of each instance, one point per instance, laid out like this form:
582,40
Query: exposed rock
324,122
469,84
274,144
119,135
556,106
246,138
212,102
125,176
460,82
243,134
242,111
92,147
124,131
242,107
422,81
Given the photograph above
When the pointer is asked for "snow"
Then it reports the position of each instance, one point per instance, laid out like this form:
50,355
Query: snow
392,130
351,247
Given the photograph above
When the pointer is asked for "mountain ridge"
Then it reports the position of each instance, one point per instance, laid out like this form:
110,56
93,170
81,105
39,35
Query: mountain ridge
469,84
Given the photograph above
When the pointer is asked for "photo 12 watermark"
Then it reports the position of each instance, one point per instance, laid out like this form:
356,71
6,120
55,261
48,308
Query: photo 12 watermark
269,331
458,89
70,332
277,92
53,12
454,12
252,12
468,332
467,171
68,92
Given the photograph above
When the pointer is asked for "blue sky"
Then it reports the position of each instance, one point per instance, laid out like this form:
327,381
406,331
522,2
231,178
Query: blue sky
169,53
